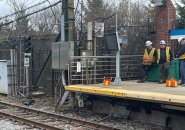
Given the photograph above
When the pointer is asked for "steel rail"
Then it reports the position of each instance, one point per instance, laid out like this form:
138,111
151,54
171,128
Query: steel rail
29,122
69,119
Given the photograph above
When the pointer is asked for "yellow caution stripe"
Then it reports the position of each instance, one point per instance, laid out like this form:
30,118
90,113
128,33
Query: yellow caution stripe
95,90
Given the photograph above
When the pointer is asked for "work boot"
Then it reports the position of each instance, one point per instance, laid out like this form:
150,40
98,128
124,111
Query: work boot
144,79
161,81
180,83
140,81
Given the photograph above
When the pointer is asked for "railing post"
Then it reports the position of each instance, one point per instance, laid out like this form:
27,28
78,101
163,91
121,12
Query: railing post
87,74
94,70
69,72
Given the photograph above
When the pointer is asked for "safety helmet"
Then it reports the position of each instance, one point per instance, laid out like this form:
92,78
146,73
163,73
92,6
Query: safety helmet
162,42
148,43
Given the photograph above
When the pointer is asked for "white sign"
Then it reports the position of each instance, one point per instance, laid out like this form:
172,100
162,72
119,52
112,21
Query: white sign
78,66
99,29
89,31
27,54
26,62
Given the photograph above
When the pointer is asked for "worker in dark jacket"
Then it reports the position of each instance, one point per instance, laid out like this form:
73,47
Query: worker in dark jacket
149,59
181,56
164,57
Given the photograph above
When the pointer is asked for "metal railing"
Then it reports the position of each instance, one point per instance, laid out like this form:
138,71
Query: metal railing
91,70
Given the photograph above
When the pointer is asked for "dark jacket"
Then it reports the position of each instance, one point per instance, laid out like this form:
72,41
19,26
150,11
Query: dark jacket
181,51
163,55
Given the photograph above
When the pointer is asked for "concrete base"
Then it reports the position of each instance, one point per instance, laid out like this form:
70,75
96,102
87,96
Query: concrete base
157,117
117,81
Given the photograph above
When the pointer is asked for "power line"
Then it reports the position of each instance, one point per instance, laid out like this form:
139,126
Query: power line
1,25
52,10
23,10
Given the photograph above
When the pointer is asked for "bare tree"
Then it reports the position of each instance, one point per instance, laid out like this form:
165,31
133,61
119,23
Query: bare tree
133,18
46,22
22,24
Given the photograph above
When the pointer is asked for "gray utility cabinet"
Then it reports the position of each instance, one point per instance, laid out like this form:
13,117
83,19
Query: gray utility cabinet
4,77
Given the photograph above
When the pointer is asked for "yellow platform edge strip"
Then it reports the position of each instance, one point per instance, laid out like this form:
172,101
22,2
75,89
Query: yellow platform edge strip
122,93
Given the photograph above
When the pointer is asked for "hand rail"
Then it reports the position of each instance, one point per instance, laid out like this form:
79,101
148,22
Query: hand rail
94,68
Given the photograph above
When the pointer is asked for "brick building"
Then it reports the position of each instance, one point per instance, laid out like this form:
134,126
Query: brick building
165,21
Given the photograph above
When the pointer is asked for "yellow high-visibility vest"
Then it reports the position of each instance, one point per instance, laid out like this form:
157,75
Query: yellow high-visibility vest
167,55
148,58
182,56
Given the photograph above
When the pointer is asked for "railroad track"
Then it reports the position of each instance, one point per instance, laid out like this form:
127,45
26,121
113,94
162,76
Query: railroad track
46,120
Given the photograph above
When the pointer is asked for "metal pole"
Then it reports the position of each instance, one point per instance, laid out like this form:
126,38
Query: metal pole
116,21
62,28
148,28
20,62
81,20
11,63
94,60
27,80
95,46
87,74
117,80
14,71
118,52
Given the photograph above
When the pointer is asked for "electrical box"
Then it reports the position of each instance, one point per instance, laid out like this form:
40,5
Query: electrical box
61,52
3,77
112,41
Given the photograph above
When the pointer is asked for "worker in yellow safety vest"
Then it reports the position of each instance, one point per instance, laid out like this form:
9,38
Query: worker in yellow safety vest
181,55
149,59
164,57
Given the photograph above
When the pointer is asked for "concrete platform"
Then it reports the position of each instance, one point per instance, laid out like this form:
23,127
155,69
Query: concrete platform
149,91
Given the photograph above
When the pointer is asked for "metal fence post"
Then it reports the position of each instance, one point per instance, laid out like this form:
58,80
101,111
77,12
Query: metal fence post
87,74
94,60
27,81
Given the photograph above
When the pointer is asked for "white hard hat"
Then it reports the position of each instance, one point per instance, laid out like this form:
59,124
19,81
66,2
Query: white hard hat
162,42
148,43
180,39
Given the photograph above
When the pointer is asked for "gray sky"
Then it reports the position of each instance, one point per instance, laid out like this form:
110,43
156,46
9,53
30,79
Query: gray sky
6,9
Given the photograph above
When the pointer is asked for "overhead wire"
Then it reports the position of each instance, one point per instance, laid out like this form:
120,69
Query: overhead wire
51,5
12,21
23,10
52,10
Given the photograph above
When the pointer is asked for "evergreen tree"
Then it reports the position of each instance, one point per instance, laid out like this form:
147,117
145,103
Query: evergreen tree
181,14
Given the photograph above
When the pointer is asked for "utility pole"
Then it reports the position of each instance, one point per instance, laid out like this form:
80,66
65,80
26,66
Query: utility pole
148,28
68,10
81,23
